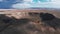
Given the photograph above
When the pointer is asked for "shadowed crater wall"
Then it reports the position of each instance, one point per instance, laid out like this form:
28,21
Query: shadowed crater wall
50,20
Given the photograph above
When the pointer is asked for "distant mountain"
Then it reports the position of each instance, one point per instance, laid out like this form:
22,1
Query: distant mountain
44,8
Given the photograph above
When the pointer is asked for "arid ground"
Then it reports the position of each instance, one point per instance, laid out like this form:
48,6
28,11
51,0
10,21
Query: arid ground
20,22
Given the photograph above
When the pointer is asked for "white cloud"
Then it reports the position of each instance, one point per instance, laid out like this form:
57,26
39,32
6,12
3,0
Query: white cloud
28,0
21,6
27,4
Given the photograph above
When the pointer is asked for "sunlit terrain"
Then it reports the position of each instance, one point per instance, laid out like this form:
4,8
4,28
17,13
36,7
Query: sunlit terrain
29,22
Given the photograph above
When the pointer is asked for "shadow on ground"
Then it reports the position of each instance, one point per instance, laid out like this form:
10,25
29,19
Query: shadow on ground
50,20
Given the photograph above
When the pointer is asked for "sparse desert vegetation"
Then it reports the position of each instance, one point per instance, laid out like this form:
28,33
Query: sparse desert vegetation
30,22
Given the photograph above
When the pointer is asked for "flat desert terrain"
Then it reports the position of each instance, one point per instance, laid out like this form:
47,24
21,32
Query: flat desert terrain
29,21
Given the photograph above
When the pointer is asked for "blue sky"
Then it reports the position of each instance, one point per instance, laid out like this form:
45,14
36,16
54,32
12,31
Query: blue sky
22,4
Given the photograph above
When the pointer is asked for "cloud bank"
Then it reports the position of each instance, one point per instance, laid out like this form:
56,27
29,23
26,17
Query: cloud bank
22,4
37,3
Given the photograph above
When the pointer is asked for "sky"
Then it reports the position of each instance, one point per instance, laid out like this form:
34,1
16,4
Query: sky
22,4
